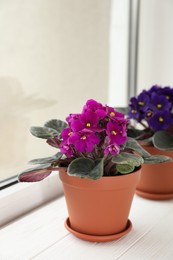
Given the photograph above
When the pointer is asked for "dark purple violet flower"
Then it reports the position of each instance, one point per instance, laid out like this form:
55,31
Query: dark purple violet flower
168,93
112,149
143,101
160,120
96,107
84,141
134,111
116,133
138,106
159,102
154,89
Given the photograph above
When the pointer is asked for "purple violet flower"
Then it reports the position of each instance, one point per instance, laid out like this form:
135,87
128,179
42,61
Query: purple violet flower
154,89
160,120
71,118
134,111
84,141
65,134
66,149
159,102
113,114
116,133
96,107
168,93
112,149
87,120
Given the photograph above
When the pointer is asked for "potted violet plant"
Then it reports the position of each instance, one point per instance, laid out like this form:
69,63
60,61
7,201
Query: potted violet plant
99,167
152,110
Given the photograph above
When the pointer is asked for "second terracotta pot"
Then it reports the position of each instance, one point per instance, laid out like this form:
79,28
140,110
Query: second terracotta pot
156,180
99,207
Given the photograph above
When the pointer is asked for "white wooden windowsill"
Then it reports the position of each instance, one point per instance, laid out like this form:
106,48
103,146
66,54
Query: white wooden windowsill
40,234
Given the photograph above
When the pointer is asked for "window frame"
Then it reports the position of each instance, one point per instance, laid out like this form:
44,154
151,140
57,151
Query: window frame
16,197
21,198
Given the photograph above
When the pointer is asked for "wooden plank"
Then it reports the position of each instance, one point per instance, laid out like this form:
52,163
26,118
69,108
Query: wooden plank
41,235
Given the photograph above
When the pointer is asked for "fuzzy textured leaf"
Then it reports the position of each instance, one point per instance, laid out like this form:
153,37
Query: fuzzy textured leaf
128,159
163,140
35,174
125,168
56,124
133,144
154,159
43,132
45,160
86,168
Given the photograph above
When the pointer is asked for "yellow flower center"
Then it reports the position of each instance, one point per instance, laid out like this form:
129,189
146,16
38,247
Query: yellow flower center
141,103
88,124
112,114
161,119
83,137
69,133
133,111
149,114
67,148
168,97
113,132
159,105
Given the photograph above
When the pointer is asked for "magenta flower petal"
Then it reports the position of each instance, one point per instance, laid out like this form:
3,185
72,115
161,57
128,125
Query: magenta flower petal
76,125
89,119
96,107
66,133
84,141
113,114
116,133
112,149
66,149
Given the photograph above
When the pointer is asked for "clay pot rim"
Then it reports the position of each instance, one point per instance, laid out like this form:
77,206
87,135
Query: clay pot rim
106,182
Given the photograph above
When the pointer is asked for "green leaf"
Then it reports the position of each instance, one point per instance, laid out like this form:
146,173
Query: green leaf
128,159
86,168
35,174
43,132
154,159
163,140
45,160
125,168
56,124
123,110
135,146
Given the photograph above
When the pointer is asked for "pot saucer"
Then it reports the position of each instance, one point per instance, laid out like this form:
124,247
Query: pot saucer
95,238
154,196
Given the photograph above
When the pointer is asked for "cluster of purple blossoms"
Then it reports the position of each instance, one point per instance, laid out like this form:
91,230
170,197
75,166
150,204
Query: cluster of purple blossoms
99,130
153,106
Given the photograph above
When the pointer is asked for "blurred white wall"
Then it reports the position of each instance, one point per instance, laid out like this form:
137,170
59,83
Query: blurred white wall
119,44
53,57
155,60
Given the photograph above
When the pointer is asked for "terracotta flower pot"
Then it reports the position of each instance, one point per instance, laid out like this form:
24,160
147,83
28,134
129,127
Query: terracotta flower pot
99,209
156,180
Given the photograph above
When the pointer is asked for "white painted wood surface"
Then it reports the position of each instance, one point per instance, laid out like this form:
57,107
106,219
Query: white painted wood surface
41,235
